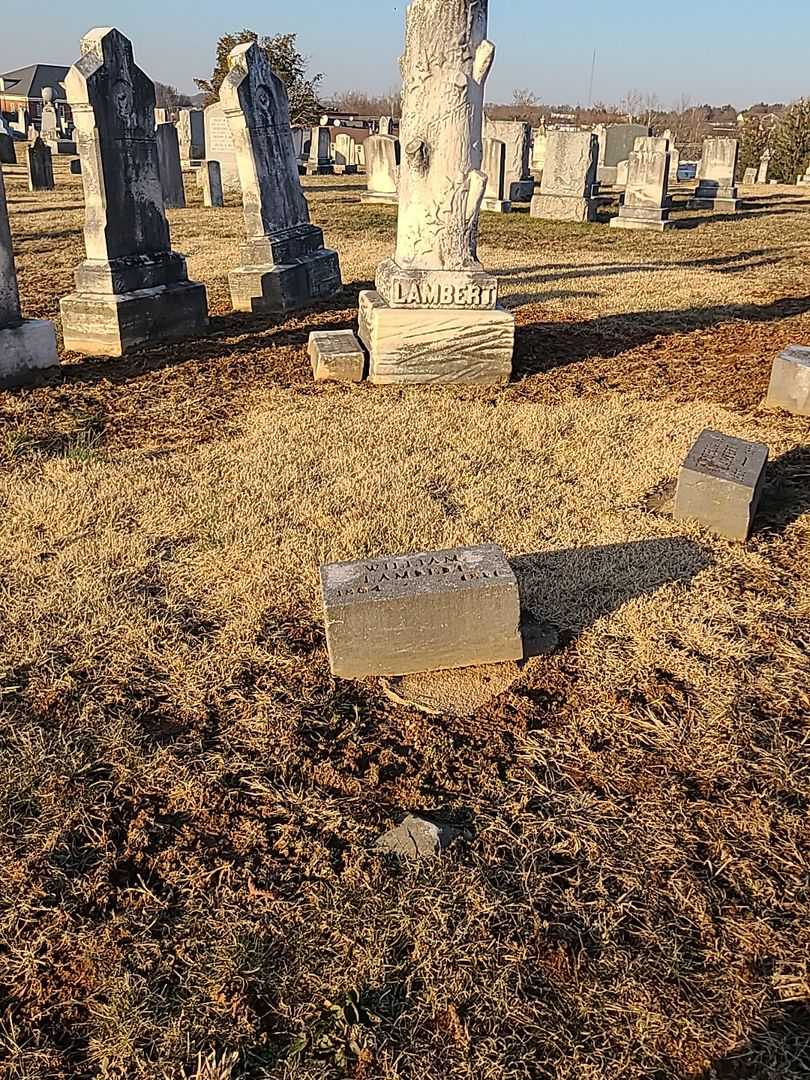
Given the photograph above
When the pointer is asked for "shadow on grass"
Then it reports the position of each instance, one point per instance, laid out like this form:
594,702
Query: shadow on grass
780,1049
787,492
572,589
542,347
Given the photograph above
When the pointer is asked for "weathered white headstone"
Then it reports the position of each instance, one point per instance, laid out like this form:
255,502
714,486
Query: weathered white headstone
345,155
132,290
161,116
382,169
720,484
569,178
495,200
434,316
645,203
790,381
25,345
764,166
171,171
191,135
538,160
750,176
284,263
39,161
716,188
219,146
385,126
517,139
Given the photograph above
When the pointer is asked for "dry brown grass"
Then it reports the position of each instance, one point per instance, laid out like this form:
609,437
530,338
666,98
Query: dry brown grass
189,799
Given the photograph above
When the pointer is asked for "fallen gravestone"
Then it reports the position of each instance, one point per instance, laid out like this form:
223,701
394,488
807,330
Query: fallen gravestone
336,356
790,381
720,484
432,610
435,317
285,265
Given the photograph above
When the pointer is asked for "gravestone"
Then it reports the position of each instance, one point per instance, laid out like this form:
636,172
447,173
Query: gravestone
319,162
764,166
495,200
161,117
360,154
720,484
219,146
345,155
8,155
434,316
191,135
23,120
298,143
285,265
716,189
132,290
382,169
50,128
569,178
40,166
336,356
622,174
750,176
645,204
790,381
171,171
211,182
26,345
616,143
517,139
385,125
429,611
538,161
674,164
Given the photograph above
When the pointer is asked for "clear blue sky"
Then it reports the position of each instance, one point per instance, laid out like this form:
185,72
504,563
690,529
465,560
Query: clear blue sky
737,51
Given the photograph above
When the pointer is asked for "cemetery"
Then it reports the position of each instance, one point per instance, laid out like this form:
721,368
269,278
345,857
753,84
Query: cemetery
404,581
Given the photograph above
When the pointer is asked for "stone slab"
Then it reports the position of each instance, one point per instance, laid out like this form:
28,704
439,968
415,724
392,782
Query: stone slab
275,290
642,224
462,289
417,838
421,345
725,206
496,206
379,197
113,325
720,484
24,349
790,381
564,208
427,611
336,356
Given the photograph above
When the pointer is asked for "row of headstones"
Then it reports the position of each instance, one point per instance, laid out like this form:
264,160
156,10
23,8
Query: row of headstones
133,290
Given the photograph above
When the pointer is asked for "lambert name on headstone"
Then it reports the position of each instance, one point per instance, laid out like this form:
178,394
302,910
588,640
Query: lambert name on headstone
434,316
284,263
424,612
132,290
720,484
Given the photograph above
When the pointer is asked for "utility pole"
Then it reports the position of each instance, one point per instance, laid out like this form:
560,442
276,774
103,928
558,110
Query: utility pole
593,75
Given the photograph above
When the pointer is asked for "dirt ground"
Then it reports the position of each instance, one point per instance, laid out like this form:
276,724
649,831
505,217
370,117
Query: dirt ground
189,800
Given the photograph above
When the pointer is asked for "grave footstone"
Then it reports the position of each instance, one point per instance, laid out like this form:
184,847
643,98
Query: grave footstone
790,381
171,170
569,178
132,289
718,168
336,356
428,611
40,166
495,200
284,263
26,345
211,182
434,316
382,170
645,204
720,484
517,139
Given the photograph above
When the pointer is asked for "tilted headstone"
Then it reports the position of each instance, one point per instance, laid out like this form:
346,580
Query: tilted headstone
132,290
569,178
429,611
716,188
790,381
382,169
434,316
171,170
211,183
285,265
345,155
191,135
720,484
517,139
40,166
319,162
495,200
26,345
219,146
645,204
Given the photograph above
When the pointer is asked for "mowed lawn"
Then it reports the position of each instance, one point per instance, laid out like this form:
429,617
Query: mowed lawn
189,800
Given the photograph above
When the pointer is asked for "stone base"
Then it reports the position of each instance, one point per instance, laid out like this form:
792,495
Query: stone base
627,220
521,191
24,349
112,325
345,170
422,345
564,208
725,206
496,206
275,290
380,197
318,170
336,356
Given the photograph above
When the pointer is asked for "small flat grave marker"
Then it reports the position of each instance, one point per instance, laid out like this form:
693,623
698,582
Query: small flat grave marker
790,381
337,356
720,484
429,611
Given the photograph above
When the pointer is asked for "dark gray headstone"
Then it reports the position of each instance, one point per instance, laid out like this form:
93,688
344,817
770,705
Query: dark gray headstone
40,166
720,484
171,170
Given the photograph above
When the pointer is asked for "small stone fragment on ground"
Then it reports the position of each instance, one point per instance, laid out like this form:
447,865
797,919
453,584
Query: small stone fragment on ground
418,838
